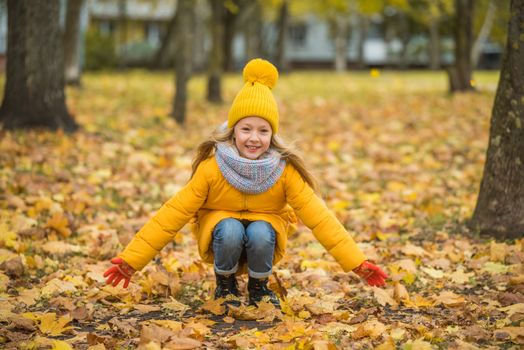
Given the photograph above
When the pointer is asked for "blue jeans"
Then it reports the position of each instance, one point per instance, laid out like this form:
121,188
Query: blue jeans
231,238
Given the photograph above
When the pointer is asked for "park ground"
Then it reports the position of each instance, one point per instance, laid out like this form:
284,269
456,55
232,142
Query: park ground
398,159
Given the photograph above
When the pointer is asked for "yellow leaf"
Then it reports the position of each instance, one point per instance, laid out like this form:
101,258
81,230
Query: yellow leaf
375,73
400,292
460,277
495,268
498,251
334,145
320,264
433,273
4,280
409,196
397,333
418,344
7,236
385,236
43,203
372,329
169,324
304,314
513,309
387,345
58,286
61,345
450,299
418,301
214,306
59,223
51,325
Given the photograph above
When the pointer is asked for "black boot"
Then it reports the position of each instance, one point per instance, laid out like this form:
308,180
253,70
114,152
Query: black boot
258,291
227,288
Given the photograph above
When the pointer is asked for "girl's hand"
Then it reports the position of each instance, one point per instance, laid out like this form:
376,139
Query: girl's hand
373,274
121,271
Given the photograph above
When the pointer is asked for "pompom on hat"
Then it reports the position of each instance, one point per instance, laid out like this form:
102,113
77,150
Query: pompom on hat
255,98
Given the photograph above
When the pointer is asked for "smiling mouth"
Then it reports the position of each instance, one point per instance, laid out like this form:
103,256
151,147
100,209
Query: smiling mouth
252,148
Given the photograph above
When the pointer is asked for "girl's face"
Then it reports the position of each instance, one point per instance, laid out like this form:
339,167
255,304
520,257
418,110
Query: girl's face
252,136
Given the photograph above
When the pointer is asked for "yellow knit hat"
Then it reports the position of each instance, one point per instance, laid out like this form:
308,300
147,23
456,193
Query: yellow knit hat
255,98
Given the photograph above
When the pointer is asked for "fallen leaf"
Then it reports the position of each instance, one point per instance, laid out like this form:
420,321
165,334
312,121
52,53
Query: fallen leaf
60,248
413,250
476,333
175,305
57,286
498,251
60,224
155,333
400,292
143,308
449,299
433,273
383,297
460,277
50,323
61,345
214,306
418,344
515,334
182,344
495,268
372,329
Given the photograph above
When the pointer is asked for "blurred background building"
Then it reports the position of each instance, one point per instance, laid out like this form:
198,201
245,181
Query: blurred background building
136,33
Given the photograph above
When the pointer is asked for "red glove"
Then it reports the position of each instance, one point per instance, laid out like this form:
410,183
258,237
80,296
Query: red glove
122,271
373,274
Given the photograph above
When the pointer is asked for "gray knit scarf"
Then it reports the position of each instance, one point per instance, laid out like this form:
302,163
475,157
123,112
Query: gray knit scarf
247,175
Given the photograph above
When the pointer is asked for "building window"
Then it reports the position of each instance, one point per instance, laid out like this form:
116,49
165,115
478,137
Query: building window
297,34
106,27
152,33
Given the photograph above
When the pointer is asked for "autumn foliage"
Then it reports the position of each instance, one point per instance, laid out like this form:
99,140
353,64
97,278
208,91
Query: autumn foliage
398,160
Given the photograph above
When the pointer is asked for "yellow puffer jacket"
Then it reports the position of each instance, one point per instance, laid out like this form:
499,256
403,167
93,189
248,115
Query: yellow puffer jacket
210,198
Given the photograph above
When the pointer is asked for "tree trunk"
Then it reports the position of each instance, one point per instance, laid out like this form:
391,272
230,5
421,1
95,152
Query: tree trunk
229,33
500,205
460,73
122,24
405,36
484,33
282,25
72,42
363,33
216,56
201,34
184,45
34,88
434,44
163,57
341,41
253,30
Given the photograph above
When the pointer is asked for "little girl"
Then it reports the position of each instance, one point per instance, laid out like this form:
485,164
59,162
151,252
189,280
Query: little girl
244,191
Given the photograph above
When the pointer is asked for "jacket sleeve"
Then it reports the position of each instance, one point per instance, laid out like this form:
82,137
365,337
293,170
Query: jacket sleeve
325,226
171,217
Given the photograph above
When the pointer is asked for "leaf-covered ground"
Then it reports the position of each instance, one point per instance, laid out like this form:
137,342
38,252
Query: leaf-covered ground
398,160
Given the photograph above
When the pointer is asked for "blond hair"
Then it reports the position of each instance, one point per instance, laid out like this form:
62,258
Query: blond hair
207,148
